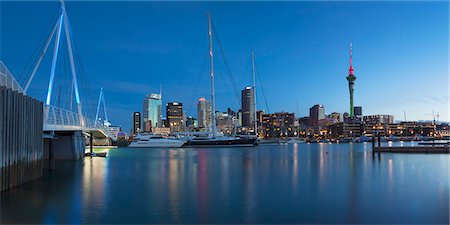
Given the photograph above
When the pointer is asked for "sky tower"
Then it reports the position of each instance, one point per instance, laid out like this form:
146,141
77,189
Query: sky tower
351,81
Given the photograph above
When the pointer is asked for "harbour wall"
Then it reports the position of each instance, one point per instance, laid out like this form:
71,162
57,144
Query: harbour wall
21,141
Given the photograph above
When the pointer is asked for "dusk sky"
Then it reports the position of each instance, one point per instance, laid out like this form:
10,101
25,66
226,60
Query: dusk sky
400,54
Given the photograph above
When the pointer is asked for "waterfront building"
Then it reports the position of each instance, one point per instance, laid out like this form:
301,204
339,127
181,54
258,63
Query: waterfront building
148,126
114,130
345,116
336,116
191,122
316,113
303,121
164,122
203,114
239,118
248,107
378,119
278,125
165,131
175,115
152,110
346,130
136,123
224,121
351,81
402,129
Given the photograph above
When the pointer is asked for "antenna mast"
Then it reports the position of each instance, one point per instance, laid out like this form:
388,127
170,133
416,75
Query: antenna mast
211,64
254,94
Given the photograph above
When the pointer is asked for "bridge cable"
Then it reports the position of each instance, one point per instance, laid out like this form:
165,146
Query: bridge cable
230,75
194,97
35,55
262,88
190,60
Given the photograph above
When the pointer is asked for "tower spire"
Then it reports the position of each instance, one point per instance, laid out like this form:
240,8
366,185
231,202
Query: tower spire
350,70
351,81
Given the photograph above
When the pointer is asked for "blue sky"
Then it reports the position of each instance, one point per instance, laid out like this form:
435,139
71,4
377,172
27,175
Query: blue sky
131,48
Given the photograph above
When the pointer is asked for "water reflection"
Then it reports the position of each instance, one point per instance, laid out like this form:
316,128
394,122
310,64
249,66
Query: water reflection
94,182
295,168
300,183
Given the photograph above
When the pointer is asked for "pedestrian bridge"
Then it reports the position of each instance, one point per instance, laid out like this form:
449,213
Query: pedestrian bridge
55,118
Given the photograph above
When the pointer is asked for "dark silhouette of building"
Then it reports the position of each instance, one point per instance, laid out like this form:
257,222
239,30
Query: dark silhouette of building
248,108
357,110
136,123
174,114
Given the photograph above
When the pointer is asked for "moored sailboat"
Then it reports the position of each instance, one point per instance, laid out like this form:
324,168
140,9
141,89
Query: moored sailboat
215,139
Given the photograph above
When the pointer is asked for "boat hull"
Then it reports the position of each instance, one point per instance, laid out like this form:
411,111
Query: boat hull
157,145
221,143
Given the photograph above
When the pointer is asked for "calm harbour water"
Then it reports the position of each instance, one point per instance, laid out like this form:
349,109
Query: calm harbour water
296,183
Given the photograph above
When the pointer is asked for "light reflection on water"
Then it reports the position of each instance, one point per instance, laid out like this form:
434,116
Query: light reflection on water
299,183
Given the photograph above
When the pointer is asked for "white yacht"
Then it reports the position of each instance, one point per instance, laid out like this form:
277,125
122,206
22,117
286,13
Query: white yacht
155,141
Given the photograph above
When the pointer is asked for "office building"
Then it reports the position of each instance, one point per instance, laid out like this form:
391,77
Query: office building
278,125
136,123
378,119
248,107
303,122
114,130
336,116
152,110
357,110
147,127
175,116
204,114
191,123
316,113
346,130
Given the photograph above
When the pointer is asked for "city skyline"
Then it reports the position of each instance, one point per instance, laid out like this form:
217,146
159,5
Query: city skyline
304,51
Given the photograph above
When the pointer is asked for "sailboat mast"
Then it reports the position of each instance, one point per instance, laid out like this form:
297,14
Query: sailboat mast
211,65
254,94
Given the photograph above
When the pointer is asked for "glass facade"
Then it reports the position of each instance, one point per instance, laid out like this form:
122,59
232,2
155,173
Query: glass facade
153,110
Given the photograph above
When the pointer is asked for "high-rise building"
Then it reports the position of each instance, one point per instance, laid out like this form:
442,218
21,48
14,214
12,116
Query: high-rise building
175,116
136,123
357,110
152,110
248,107
203,113
316,113
351,82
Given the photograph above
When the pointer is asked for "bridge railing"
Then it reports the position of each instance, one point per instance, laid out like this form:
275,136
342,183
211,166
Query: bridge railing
6,79
56,118
65,119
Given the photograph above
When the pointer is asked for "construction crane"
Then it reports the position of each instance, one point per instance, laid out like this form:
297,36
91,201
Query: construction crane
435,115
